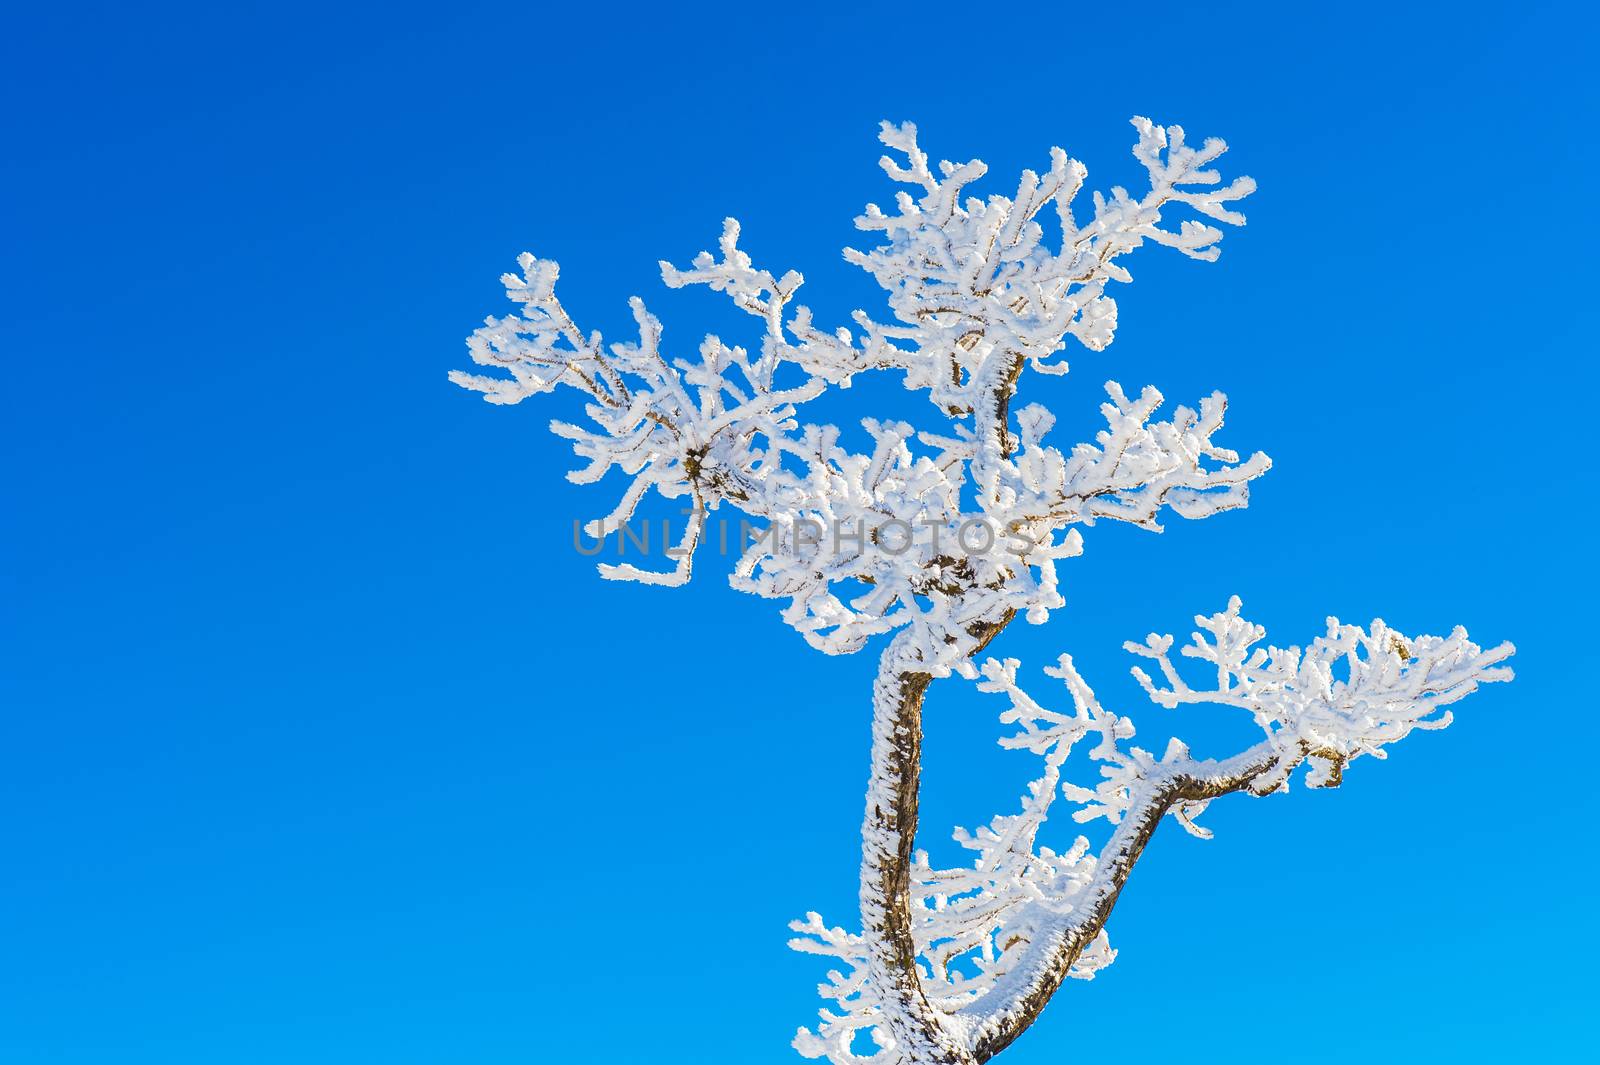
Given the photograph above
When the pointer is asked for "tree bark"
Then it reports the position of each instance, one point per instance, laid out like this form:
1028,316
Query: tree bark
1121,854
888,838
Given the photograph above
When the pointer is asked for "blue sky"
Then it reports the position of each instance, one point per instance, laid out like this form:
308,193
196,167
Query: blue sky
320,745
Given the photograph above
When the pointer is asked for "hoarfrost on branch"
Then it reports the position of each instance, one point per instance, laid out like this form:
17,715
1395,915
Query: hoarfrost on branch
951,965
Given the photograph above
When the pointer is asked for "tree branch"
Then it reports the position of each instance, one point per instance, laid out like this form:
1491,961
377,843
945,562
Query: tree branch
1049,960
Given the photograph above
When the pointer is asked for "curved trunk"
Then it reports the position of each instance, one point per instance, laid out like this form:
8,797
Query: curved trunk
888,837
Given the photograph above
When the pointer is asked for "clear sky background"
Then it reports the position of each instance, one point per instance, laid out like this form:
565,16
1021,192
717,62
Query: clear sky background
320,746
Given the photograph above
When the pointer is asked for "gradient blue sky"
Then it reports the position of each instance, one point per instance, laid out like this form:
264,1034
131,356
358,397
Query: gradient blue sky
320,746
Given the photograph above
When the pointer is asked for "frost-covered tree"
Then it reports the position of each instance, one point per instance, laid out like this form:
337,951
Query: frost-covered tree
938,540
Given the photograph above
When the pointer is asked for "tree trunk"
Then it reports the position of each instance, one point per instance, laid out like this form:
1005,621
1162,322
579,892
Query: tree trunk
888,837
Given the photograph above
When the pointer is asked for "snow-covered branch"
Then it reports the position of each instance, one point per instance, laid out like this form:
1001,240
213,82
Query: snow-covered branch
684,429
974,292
973,279
1138,467
996,937
1349,693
